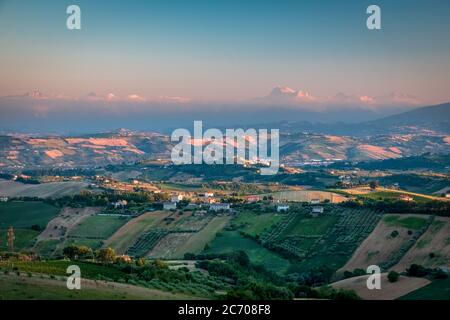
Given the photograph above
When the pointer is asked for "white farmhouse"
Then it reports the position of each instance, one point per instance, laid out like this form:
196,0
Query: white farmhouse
282,207
169,205
316,211
219,207
177,197
120,204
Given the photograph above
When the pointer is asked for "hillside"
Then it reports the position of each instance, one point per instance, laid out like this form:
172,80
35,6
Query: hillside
393,234
25,152
43,288
432,249
435,118
388,291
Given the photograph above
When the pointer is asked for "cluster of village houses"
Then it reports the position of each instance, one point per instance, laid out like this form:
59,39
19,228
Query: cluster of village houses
204,198
214,205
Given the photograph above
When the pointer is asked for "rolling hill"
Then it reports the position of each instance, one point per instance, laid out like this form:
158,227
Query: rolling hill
25,152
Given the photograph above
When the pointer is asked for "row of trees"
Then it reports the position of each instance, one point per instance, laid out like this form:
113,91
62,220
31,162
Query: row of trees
91,199
104,255
441,208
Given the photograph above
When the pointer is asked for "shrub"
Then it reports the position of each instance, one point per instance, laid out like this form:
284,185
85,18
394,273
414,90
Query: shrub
393,276
328,292
106,255
416,270
74,252
36,227
394,234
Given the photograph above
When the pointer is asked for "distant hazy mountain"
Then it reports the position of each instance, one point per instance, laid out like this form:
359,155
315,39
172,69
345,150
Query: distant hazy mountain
42,113
434,118
425,120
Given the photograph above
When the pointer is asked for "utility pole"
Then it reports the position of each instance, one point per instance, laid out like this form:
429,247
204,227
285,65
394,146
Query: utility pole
11,238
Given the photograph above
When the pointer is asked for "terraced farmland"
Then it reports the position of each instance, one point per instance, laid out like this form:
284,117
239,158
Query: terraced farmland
167,247
328,239
336,246
146,242
297,232
197,241
192,223
129,233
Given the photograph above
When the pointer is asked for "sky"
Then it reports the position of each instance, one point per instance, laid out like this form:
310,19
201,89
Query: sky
199,52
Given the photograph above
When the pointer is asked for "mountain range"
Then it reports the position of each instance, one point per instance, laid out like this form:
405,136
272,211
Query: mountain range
425,120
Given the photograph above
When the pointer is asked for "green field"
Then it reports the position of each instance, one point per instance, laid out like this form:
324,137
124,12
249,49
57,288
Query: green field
437,290
18,288
98,227
199,285
24,239
308,226
46,247
229,241
36,288
91,243
255,224
387,195
59,267
24,214
413,223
